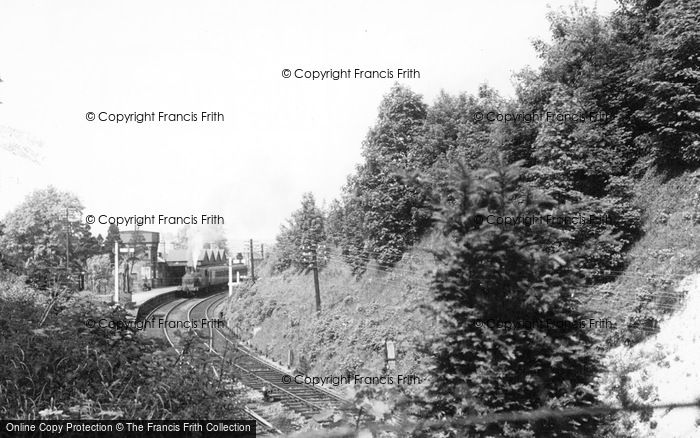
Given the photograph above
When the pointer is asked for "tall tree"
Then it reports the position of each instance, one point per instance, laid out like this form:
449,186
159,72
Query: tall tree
583,163
392,214
112,237
513,338
182,237
301,240
667,79
38,234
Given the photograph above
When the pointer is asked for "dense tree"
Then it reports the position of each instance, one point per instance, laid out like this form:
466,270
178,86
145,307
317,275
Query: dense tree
100,241
344,228
454,131
301,241
614,97
513,339
108,244
79,371
387,215
667,79
583,164
578,149
640,67
3,263
182,239
99,271
37,233
515,140
138,249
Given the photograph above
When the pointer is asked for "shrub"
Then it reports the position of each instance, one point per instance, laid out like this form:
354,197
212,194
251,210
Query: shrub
491,272
72,370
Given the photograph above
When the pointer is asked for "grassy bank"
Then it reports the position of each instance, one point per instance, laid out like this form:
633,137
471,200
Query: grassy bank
358,315
669,250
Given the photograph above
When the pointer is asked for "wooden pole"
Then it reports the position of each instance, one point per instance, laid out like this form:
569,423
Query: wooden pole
230,277
116,272
316,285
67,245
252,262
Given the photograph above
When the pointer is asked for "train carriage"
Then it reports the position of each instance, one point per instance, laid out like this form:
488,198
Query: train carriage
207,279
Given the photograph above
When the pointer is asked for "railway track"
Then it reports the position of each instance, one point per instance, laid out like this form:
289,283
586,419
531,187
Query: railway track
262,425
255,373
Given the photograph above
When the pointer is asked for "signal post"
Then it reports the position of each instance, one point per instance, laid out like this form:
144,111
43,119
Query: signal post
116,272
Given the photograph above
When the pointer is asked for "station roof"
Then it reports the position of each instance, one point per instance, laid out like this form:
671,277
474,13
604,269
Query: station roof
212,257
206,257
176,256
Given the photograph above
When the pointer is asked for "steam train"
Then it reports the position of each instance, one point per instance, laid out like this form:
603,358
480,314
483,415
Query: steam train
205,279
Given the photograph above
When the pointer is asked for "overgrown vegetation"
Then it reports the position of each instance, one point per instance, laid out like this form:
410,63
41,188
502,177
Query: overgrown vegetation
45,240
300,243
37,235
614,97
57,366
348,336
514,339
633,78
630,81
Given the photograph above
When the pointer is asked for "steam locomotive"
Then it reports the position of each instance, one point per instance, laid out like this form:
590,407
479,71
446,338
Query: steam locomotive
202,280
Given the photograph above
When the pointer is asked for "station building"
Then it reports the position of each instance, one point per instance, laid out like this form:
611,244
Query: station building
140,249
173,263
157,267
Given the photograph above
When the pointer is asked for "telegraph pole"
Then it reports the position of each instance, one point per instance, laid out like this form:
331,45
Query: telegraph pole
69,211
67,243
116,272
230,276
252,262
316,286
311,254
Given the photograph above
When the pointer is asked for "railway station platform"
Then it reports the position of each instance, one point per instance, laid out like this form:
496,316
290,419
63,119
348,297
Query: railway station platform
139,297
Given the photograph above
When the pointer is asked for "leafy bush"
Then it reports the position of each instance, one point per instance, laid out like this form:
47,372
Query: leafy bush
300,244
33,242
381,216
491,272
99,273
65,369
666,79
601,244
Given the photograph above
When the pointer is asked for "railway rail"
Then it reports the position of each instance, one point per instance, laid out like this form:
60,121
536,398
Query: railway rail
306,400
262,425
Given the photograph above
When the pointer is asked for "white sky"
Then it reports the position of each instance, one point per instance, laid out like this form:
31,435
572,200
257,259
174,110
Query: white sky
280,138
